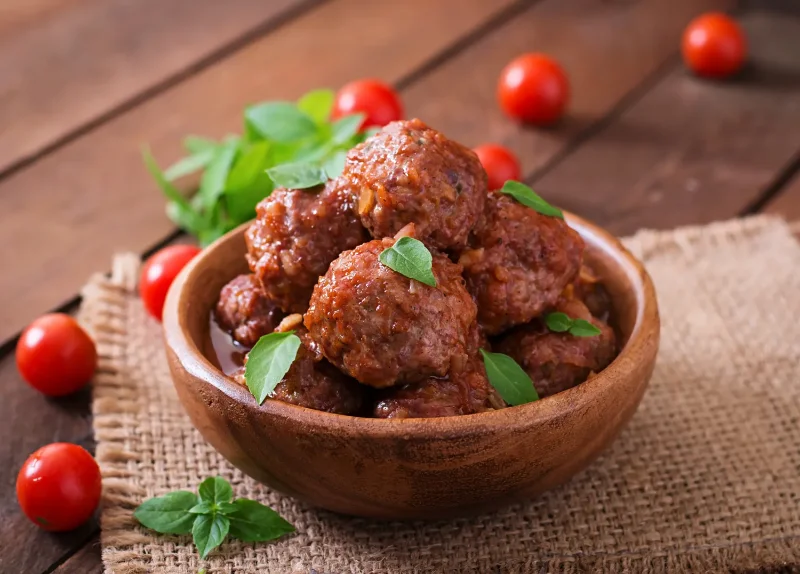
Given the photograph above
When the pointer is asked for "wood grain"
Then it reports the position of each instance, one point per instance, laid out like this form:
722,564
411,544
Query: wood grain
692,151
787,202
28,421
64,216
65,63
606,48
85,561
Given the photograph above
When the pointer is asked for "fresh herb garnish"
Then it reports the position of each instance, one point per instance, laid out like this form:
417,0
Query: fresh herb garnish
269,361
297,175
505,375
211,516
529,198
562,323
410,257
296,143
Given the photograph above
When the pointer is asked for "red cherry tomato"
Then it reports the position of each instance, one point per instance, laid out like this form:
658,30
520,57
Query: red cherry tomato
714,46
500,164
379,102
55,355
533,88
59,486
158,274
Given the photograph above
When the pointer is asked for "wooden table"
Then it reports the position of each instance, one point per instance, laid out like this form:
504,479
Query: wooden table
84,83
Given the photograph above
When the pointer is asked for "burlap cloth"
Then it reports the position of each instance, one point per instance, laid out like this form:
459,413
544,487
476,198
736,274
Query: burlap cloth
706,478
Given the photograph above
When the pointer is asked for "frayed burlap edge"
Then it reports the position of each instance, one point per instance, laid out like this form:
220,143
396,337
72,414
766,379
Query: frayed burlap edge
103,312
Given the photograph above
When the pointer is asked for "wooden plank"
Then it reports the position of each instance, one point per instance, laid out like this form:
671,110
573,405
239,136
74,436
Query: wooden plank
65,63
787,202
85,561
692,151
28,421
66,215
606,48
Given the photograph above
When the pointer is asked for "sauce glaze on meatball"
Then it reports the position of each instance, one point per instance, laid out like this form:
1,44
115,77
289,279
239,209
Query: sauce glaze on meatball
518,263
465,390
383,328
559,361
312,381
296,235
245,312
411,173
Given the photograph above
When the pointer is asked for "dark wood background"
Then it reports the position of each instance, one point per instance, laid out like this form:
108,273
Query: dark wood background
85,83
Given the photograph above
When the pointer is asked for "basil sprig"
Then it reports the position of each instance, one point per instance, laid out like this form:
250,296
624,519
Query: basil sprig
269,361
505,375
410,257
562,323
284,144
529,198
211,515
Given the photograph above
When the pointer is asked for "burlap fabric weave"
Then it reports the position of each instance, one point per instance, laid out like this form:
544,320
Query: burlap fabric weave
706,477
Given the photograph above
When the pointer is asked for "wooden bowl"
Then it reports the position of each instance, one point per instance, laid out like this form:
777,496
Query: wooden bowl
413,468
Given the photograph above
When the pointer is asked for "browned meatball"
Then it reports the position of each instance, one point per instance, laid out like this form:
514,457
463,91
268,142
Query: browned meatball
558,361
587,288
312,381
465,390
410,173
245,312
383,328
519,263
297,234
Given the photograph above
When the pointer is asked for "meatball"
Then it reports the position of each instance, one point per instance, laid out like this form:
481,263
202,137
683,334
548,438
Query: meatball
383,328
296,235
587,288
245,312
312,381
518,263
465,390
410,173
558,361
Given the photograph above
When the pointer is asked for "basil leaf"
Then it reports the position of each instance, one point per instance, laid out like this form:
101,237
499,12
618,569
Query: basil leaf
334,165
410,257
562,323
254,522
558,322
269,361
168,514
346,127
215,490
182,214
213,183
197,144
189,164
529,198
583,328
208,532
279,121
369,132
297,175
204,507
505,375
226,507
317,104
248,167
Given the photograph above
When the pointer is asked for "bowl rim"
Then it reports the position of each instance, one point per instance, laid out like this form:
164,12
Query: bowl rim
645,333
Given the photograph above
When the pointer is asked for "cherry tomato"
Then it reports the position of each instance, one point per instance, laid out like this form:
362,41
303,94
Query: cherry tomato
500,164
59,486
379,102
533,88
714,46
55,355
158,274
